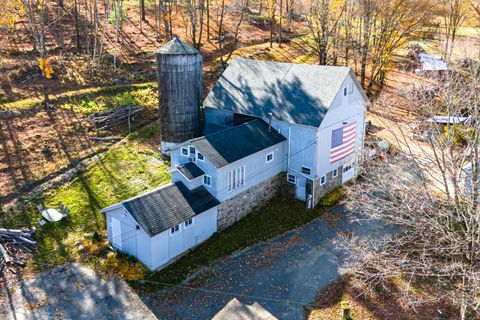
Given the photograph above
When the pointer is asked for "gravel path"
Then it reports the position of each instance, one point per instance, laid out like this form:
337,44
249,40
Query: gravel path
270,280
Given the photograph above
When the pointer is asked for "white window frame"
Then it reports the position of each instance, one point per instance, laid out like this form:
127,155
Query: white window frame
209,177
294,178
190,151
199,153
269,154
181,151
309,169
335,173
185,226
324,178
174,232
233,181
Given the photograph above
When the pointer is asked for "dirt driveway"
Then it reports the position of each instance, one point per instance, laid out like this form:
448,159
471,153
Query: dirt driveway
266,281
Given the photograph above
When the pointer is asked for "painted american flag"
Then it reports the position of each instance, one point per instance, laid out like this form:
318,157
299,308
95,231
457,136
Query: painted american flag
343,142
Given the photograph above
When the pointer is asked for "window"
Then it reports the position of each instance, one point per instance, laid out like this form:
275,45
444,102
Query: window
269,157
344,91
306,170
207,180
323,179
291,178
175,229
200,156
347,168
192,151
236,178
335,173
184,151
188,223
350,88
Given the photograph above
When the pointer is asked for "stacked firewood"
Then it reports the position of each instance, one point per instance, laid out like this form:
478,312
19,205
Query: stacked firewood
106,120
16,246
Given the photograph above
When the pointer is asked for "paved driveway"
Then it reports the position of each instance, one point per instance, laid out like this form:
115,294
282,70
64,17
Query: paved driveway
266,281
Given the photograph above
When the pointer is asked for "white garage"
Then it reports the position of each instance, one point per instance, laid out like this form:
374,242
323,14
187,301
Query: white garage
157,226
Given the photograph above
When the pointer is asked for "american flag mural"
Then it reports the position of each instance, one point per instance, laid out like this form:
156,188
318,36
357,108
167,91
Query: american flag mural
343,142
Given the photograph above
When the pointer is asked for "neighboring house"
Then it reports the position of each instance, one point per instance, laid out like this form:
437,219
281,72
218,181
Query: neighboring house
431,63
266,124
319,109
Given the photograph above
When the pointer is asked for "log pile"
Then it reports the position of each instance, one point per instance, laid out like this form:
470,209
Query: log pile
16,246
106,120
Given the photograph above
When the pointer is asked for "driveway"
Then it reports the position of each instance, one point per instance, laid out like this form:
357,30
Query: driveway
270,280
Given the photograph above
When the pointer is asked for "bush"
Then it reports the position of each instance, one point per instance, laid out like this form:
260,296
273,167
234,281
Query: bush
127,267
332,198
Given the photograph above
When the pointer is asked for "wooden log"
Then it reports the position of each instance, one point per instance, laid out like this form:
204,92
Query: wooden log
11,232
27,240
105,138
4,254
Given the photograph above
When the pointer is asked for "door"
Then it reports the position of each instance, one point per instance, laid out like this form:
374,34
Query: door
300,189
189,236
176,243
117,233
349,171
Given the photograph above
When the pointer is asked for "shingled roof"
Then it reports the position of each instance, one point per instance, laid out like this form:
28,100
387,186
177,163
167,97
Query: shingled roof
190,170
232,144
168,206
177,46
296,93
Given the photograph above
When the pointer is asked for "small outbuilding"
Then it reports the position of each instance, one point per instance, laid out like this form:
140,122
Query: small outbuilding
431,63
158,226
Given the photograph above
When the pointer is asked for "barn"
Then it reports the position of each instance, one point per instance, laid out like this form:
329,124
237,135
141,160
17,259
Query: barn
158,226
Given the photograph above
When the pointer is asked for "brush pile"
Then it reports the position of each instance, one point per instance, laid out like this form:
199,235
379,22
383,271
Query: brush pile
106,120
16,247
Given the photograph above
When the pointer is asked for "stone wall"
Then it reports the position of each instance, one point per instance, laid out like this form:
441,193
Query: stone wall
331,183
252,199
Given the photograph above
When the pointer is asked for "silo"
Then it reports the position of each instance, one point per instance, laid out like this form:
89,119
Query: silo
179,68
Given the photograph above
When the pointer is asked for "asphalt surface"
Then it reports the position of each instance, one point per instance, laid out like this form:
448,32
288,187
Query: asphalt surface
271,280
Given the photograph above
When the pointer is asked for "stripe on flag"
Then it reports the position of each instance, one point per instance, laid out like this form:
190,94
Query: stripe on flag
343,142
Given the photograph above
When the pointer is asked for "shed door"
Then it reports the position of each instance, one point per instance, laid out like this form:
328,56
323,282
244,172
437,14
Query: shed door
189,236
117,233
300,189
349,171
176,243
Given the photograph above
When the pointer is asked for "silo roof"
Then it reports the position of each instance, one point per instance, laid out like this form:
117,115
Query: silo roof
177,46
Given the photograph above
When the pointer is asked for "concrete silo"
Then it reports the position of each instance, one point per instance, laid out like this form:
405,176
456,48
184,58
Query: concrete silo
179,68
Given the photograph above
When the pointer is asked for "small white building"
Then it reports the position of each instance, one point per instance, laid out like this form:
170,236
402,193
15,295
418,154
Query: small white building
431,63
160,225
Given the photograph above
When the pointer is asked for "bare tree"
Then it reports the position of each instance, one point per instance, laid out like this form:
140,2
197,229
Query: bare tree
429,196
454,13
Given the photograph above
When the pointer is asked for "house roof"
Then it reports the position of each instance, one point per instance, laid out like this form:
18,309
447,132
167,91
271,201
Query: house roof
168,206
232,144
177,46
295,93
190,170
431,62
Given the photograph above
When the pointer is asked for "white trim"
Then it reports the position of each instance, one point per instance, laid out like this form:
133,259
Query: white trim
181,151
268,154
190,153
185,223
233,181
202,156
294,178
324,180
176,231
309,169
209,177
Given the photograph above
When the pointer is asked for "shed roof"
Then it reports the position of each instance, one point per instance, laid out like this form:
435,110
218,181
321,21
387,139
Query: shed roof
190,170
431,62
168,206
177,46
296,93
232,144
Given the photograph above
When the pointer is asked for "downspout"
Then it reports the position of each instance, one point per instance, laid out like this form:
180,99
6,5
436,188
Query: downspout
288,156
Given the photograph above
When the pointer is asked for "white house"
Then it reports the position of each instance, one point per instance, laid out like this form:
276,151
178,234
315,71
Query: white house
266,124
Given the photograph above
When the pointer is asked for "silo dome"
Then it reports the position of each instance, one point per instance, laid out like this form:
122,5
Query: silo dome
179,68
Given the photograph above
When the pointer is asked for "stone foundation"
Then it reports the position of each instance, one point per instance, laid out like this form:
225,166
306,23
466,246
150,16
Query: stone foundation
232,210
331,183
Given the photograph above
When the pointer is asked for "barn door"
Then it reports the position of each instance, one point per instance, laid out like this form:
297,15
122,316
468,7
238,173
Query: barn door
116,233
349,171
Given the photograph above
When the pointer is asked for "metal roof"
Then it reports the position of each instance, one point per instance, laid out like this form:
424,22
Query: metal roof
190,170
295,93
168,206
177,46
232,144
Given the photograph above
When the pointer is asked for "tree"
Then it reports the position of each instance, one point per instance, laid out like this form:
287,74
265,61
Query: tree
454,13
196,12
425,194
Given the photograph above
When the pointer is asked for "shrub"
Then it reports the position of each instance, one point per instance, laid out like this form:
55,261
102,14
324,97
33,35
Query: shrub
332,198
127,267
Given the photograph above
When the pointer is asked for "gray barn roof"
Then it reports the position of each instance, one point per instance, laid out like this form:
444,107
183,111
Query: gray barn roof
168,206
296,93
190,170
177,46
232,144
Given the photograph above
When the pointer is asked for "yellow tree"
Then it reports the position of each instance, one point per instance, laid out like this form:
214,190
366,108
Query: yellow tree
10,12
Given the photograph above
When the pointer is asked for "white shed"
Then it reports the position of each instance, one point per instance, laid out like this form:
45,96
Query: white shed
158,226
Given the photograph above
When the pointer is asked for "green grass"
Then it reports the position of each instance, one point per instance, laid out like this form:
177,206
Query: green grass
93,99
282,214
125,171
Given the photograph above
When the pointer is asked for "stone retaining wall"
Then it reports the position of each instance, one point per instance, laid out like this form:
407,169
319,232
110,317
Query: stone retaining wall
250,200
